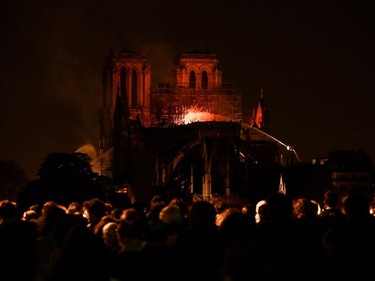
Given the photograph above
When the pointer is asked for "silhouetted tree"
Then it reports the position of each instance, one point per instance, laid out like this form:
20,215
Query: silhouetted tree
12,179
64,177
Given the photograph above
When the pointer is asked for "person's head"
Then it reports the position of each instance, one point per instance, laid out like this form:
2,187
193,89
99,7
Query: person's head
130,214
116,213
235,225
109,234
280,206
130,230
304,208
331,198
220,206
8,210
30,215
202,216
181,204
96,209
356,206
157,199
155,232
74,208
155,209
249,210
171,214
52,213
261,212
222,216
108,208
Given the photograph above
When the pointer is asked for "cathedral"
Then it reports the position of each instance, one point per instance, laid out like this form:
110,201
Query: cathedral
186,135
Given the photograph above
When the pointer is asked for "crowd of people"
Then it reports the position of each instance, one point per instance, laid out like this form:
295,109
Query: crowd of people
173,239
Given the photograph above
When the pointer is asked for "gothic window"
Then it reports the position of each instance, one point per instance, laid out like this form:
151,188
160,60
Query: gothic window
192,80
204,80
134,88
123,83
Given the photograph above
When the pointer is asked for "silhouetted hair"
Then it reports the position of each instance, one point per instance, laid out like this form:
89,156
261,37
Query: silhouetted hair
280,206
331,198
97,207
8,209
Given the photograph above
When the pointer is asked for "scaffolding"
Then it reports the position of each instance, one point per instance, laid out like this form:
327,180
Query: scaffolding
170,105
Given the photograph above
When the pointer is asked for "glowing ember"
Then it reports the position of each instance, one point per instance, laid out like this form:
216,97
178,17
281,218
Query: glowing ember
194,115
198,116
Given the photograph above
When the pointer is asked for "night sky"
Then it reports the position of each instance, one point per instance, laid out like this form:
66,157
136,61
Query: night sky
313,59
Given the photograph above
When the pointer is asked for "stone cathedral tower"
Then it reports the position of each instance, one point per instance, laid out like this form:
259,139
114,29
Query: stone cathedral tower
126,88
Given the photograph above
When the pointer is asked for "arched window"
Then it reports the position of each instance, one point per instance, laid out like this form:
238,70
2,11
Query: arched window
192,80
204,80
123,83
134,88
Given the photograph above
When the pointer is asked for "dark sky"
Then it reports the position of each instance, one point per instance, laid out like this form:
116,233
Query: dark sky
314,60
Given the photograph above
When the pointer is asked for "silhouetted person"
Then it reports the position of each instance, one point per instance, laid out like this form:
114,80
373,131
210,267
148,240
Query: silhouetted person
172,216
158,263
331,216
202,247
182,204
74,208
306,211
96,210
351,245
249,210
109,236
240,250
235,227
289,245
116,213
17,250
8,211
52,213
128,264
130,214
80,255
157,203
262,214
